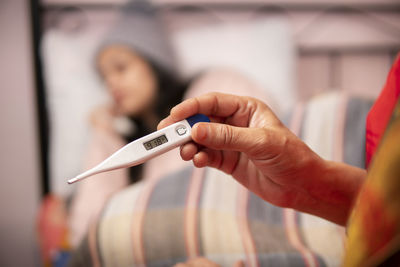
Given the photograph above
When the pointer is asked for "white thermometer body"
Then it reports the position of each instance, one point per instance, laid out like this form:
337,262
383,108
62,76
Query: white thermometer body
147,147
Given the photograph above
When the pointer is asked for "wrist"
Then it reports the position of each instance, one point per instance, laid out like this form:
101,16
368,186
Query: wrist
334,187
331,190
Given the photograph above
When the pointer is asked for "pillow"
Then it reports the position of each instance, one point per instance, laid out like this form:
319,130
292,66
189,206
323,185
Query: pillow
73,89
203,212
333,125
261,49
228,81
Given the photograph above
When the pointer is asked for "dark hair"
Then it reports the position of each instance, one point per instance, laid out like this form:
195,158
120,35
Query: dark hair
170,93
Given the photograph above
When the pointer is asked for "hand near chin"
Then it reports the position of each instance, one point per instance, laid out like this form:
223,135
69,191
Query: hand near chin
102,118
246,140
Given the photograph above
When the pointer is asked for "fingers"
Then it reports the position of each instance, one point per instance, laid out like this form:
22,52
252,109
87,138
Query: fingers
212,105
202,157
218,143
191,151
188,151
230,138
215,104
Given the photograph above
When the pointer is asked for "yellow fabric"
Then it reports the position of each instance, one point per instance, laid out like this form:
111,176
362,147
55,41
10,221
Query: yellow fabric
374,227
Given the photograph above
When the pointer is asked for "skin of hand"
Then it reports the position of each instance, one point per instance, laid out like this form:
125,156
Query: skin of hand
203,262
246,140
102,117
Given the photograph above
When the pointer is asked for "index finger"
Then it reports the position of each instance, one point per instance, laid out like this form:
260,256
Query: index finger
212,105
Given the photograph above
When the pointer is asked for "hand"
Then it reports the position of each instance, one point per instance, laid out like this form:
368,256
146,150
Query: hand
247,141
102,117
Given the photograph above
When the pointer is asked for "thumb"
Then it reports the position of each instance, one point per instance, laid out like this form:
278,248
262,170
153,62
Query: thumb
226,137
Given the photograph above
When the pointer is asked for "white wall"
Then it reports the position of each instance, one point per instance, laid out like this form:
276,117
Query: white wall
19,156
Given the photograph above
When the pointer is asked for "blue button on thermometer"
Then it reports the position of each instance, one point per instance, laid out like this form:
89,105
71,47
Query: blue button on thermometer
147,147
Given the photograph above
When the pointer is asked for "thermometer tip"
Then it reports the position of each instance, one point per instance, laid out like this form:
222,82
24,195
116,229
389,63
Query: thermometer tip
73,180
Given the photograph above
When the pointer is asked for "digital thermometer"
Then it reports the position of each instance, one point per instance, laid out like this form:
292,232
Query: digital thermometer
147,147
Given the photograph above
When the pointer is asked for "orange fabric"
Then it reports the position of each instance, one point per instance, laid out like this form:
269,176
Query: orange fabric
374,227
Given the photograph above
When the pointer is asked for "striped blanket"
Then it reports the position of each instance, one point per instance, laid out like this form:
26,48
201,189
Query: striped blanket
204,212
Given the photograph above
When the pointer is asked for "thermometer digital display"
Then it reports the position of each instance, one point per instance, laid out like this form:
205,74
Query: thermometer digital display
147,147
155,142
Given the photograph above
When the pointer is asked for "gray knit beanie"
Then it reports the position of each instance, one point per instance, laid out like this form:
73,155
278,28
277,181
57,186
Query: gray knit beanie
140,27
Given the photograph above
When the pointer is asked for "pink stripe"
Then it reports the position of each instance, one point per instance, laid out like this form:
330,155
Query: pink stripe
192,202
293,235
137,225
244,229
339,128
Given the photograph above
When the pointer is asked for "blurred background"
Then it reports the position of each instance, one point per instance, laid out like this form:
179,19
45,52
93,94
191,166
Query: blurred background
294,49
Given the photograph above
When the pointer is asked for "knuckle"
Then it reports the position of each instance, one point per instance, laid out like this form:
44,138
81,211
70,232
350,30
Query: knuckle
259,142
227,133
214,105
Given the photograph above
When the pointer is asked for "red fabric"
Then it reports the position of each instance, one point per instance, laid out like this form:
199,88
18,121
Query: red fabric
379,115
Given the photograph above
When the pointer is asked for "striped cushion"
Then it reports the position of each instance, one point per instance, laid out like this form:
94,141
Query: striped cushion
204,212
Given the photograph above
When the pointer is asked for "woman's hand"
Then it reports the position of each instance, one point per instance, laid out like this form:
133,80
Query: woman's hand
102,118
247,141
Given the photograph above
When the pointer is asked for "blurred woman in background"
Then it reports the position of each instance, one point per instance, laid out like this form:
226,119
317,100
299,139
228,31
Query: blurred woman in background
136,64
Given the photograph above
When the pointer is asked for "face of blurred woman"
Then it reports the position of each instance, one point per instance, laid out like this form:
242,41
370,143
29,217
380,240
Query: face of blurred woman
129,78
